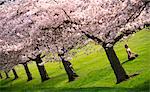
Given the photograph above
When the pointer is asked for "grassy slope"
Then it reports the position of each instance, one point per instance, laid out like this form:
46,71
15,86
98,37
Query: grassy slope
94,71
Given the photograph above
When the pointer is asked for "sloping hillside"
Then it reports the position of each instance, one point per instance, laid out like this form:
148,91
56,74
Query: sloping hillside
94,71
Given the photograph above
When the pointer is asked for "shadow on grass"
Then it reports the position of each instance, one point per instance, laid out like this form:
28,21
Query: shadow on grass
22,84
89,89
133,75
131,59
6,81
126,61
145,87
54,80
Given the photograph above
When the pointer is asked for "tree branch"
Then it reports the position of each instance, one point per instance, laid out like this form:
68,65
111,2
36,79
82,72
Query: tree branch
96,39
43,56
133,17
32,59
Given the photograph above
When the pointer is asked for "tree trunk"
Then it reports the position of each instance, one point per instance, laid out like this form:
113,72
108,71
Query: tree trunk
115,64
1,76
7,76
42,70
71,74
15,74
29,75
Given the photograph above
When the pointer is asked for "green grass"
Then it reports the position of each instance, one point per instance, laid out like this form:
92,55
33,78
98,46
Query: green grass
94,70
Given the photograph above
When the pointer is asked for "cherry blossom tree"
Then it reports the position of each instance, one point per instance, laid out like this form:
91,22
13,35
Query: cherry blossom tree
33,26
17,36
24,61
105,22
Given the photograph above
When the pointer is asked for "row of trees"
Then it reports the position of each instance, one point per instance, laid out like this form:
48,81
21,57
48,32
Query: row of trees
7,76
28,73
30,27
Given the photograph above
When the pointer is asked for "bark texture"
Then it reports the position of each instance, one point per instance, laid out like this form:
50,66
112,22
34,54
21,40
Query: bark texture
42,70
7,76
15,74
29,75
115,64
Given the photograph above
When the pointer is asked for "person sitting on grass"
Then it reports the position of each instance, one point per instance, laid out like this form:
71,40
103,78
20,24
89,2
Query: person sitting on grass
131,55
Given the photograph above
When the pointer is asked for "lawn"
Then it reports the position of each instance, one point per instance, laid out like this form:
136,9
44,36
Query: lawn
94,70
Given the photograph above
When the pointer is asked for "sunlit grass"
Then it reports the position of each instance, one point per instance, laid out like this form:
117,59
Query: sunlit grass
94,71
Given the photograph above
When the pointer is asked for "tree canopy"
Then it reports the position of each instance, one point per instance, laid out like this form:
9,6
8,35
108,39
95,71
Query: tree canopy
28,27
